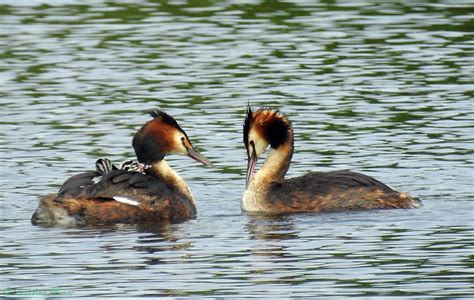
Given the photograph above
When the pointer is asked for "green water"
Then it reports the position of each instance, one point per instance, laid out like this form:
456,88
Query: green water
383,88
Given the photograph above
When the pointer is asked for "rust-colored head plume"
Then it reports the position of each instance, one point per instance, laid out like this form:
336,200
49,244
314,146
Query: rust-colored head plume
268,124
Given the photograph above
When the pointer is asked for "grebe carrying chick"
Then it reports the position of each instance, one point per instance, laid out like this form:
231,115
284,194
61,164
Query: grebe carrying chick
268,191
144,192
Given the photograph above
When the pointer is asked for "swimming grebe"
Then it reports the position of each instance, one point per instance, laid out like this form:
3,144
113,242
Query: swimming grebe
268,191
147,191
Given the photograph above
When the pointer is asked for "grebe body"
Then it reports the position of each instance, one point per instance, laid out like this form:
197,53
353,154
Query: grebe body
268,191
147,191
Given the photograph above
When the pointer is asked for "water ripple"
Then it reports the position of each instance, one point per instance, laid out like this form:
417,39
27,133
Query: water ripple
383,88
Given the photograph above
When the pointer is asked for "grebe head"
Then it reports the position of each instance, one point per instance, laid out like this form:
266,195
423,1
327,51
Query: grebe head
162,136
262,128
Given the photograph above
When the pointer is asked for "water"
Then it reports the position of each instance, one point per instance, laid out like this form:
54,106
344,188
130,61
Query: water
385,89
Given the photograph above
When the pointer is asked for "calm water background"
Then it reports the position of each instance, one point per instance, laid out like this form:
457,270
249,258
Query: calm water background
381,88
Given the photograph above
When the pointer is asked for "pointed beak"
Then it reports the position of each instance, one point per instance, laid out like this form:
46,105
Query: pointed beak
194,154
251,165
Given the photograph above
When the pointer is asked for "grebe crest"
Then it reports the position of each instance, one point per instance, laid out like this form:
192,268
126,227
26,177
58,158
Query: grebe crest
265,127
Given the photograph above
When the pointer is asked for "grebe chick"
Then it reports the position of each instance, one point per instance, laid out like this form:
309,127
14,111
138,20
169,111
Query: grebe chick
104,166
145,192
268,191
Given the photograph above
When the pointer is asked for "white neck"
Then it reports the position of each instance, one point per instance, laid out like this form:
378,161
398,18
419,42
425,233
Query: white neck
275,167
172,179
273,170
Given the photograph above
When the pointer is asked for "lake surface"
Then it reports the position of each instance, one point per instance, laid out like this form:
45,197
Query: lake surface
385,89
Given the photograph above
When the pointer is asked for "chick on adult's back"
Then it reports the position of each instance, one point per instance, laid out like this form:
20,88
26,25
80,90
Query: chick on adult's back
268,191
151,192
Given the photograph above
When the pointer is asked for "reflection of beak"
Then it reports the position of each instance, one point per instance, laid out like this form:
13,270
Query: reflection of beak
251,165
194,154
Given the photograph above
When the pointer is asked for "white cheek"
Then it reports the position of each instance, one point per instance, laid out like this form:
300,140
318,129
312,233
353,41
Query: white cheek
253,135
260,147
178,147
260,143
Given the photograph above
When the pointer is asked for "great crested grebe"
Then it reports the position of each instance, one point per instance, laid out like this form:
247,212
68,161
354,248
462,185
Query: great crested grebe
147,191
268,191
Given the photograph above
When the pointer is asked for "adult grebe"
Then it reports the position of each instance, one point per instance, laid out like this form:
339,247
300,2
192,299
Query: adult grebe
149,192
268,191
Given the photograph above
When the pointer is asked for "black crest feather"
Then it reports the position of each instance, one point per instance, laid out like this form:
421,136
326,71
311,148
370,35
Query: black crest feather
247,126
161,115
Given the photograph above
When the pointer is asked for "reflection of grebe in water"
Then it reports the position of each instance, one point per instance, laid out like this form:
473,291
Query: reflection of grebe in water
150,191
271,227
268,191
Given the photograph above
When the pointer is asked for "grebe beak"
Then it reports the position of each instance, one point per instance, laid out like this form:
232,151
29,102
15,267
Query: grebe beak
251,165
194,154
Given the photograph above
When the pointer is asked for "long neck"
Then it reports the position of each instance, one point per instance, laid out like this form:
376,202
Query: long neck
172,179
276,165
